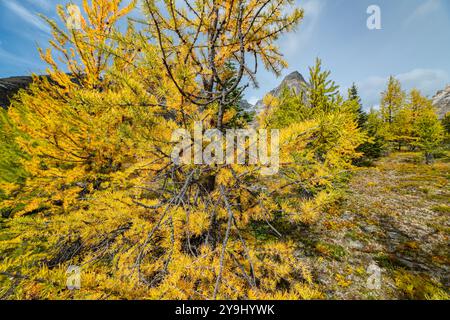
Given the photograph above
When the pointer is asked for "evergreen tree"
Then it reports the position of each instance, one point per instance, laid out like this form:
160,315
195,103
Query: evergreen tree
376,146
353,96
236,116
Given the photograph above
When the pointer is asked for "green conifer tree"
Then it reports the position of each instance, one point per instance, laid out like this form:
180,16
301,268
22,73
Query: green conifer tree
353,95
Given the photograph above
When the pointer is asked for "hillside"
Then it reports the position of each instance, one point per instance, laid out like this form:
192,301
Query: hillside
10,86
442,102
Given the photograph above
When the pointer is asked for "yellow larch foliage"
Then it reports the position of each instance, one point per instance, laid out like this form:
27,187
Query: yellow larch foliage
103,193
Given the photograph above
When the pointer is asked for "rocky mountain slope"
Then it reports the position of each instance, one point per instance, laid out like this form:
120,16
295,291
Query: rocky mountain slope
246,106
442,102
293,81
10,86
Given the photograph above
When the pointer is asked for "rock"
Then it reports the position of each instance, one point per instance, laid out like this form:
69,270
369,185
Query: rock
369,228
293,81
10,86
246,106
355,245
442,102
347,216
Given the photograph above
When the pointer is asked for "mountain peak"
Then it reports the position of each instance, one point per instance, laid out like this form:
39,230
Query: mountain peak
294,76
293,81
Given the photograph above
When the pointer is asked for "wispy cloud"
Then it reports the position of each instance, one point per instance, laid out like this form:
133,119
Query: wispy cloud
428,81
298,40
45,5
27,16
423,10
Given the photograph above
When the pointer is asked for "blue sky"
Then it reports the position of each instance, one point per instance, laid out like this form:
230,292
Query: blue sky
413,44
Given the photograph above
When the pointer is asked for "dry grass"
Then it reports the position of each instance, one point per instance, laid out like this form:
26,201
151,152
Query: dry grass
396,216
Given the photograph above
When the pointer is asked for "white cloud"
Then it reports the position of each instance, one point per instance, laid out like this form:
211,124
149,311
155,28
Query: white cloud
428,81
27,16
424,9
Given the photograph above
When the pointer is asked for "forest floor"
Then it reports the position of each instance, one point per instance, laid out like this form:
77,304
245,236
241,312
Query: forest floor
389,239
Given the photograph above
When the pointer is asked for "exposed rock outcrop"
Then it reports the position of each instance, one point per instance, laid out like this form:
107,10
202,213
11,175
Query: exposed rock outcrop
10,86
246,106
293,81
442,102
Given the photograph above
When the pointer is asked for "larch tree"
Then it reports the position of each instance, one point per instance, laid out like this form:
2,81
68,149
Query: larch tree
199,40
392,101
85,132
103,192
430,134
320,137
65,117
414,121
416,106
324,91
393,113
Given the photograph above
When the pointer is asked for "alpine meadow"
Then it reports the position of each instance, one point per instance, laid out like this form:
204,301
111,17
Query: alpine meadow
136,161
